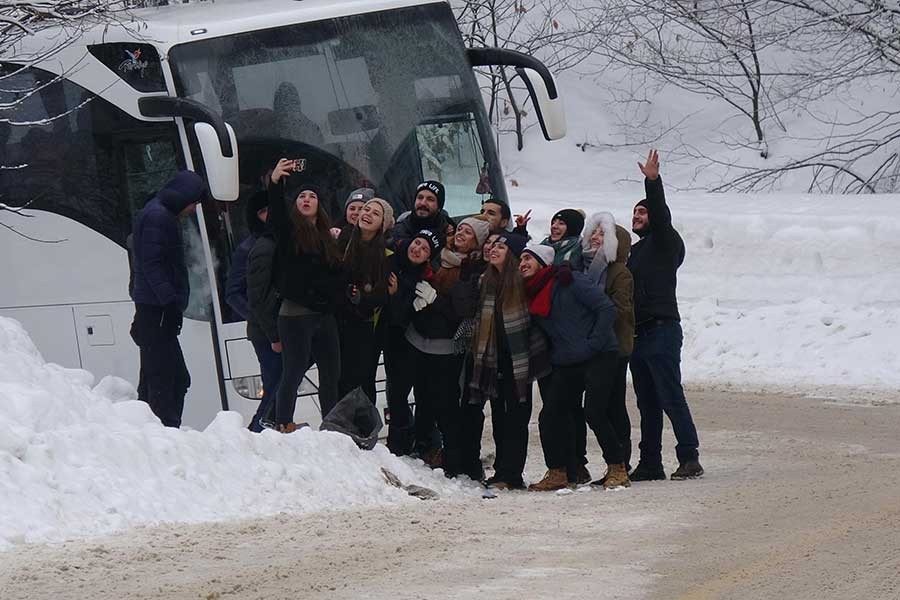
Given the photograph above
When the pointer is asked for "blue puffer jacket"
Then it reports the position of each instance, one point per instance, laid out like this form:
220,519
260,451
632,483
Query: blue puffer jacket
580,323
160,273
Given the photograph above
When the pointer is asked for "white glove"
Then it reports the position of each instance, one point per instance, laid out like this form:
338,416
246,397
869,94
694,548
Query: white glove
425,292
419,304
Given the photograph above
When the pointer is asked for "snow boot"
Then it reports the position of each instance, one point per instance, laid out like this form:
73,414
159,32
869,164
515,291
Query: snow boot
689,469
616,476
554,479
645,473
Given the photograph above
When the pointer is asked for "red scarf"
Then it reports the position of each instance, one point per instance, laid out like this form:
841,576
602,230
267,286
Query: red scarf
540,291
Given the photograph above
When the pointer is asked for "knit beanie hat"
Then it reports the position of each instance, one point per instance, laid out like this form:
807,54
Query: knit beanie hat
433,239
257,202
481,228
436,188
543,254
574,220
515,242
359,195
386,209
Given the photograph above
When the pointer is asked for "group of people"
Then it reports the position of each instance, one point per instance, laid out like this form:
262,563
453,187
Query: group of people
464,314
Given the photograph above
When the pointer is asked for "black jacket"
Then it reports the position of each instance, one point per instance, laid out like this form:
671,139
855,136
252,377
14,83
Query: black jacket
440,319
400,306
304,278
655,259
262,297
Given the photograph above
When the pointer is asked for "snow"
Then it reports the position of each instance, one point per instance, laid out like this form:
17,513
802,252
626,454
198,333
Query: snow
80,461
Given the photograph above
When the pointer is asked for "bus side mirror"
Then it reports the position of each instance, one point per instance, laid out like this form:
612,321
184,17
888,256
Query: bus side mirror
550,111
221,170
539,81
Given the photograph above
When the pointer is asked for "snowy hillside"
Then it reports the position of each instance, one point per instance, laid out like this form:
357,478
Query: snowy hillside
77,460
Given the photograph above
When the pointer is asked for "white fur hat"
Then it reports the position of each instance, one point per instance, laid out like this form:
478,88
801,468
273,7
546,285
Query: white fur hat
607,222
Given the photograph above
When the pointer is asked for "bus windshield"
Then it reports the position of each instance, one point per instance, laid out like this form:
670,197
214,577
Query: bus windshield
382,100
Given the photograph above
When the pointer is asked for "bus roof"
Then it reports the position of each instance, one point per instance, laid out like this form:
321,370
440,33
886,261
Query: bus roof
167,26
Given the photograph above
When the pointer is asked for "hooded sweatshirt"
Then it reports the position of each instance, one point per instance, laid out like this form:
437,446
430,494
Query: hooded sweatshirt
655,259
160,273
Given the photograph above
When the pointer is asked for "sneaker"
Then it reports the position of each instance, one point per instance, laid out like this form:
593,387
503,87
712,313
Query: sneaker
689,469
584,476
554,479
495,483
616,477
644,473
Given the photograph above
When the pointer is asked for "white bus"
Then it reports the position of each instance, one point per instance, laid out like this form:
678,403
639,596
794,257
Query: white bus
370,92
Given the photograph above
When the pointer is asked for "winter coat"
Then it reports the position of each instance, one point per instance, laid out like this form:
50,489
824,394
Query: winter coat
160,275
655,259
580,323
618,282
400,305
302,277
434,327
236,282
262,296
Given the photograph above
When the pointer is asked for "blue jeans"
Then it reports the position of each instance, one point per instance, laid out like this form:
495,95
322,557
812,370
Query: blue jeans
656,374
270,370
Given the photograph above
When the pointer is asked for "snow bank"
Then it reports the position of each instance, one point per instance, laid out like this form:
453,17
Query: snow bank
81,461
786,292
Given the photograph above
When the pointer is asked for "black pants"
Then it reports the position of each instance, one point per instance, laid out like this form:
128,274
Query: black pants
300,338
509,418
436,387
399,371
471,428
656,373
360,349
561,415
618,411
164,378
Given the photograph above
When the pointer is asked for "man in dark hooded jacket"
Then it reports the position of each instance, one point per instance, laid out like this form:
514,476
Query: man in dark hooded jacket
160,293
656,359
247,291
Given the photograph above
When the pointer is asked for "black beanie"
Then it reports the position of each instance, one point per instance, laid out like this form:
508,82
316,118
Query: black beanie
574,220
436,188
433,239
515,242
258,201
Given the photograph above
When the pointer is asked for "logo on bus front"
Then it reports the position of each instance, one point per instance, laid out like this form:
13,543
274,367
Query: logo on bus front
134,63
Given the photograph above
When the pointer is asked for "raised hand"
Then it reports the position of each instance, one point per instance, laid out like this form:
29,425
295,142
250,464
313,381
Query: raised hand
522,220
651,168
284,168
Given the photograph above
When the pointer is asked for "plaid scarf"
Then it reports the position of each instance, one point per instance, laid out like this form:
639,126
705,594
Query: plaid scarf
527,348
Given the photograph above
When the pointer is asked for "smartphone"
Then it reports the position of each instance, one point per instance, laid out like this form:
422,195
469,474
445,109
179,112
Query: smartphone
299,165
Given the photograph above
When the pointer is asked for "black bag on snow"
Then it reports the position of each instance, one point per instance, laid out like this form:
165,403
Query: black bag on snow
355,415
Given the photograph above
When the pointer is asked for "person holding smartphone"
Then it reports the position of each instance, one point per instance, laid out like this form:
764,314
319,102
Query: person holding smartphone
311,282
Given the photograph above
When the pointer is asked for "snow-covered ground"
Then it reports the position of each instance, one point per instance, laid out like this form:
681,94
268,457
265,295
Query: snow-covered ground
77,460
777,292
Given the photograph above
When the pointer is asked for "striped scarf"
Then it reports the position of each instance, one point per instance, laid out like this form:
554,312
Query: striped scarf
527,348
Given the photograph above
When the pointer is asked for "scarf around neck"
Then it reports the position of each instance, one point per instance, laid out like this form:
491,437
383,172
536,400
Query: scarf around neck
540,292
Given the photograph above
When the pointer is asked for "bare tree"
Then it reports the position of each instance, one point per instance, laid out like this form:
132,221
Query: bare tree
562,33
860,153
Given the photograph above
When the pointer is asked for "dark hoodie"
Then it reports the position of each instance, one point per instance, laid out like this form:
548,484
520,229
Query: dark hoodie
160,273
655,259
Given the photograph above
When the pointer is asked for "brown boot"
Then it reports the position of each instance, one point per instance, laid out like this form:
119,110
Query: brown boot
616,476
554,479
287,428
